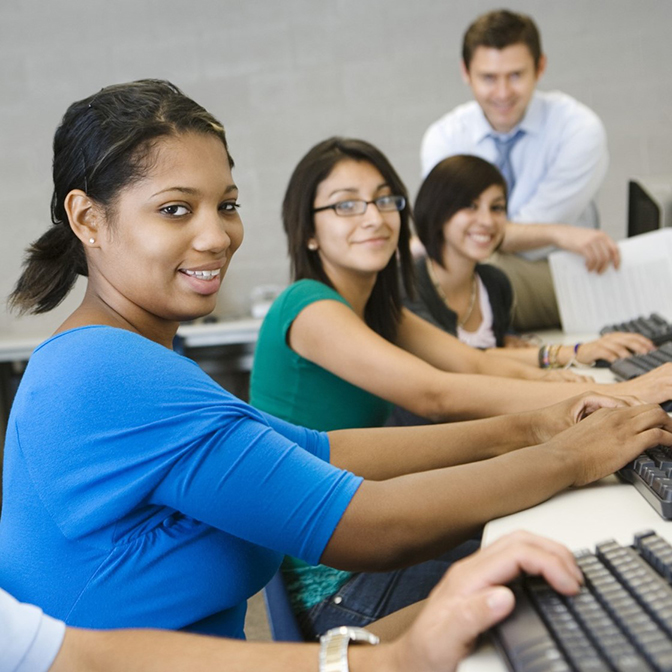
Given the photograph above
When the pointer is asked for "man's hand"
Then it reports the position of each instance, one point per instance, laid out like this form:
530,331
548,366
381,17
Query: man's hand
596,247
472,597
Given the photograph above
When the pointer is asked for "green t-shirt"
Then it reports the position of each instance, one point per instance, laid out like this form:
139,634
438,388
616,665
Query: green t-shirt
290,387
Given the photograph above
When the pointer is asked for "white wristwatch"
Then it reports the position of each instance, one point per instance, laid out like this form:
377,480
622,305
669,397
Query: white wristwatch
334,647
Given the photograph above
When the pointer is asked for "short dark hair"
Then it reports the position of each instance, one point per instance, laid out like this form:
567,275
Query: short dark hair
453,184
500,29
103,143
383,309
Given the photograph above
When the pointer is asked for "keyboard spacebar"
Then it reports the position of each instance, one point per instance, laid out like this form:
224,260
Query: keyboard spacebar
525,640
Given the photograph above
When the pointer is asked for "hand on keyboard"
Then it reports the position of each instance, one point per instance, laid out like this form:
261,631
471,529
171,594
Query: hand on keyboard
653,387
620,620
654,327
471,598
613,346
610,438
547,422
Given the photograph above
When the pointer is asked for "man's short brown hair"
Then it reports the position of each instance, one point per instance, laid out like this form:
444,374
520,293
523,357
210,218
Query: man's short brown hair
500,29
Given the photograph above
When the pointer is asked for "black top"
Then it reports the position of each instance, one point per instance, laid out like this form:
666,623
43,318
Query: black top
431,307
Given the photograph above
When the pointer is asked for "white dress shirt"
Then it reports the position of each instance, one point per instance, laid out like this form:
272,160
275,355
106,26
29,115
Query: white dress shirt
29,639
559,163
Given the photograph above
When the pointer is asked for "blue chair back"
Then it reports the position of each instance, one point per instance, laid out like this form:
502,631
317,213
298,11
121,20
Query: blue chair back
281,618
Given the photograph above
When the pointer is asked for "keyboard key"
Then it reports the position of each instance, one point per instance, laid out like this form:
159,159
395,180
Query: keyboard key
526,640
651,474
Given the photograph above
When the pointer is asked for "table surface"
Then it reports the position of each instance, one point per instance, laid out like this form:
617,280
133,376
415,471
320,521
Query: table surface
223,332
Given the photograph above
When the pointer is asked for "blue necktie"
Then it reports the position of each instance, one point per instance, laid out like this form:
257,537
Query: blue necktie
503,160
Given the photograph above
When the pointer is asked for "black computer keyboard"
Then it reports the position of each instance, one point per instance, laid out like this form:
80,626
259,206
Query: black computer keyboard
621,619
651,474
654,327
631,367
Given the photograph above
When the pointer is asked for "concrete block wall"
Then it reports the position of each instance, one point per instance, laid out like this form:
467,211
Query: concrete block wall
284,74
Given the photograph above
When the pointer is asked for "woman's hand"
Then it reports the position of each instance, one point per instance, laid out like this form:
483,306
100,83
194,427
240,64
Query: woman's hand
609,438
653,387
612,347
472,597
547,422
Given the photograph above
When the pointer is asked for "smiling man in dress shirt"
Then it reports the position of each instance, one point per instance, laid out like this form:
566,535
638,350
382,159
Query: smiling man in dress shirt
551,149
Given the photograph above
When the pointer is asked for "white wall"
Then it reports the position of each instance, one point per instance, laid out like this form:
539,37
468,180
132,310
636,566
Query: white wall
284,74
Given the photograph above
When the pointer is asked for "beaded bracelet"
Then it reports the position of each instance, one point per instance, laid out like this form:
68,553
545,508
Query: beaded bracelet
553,356
543,356
574,360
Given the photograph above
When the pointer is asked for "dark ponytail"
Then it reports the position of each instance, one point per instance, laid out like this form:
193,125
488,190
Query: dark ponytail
103,143
52,265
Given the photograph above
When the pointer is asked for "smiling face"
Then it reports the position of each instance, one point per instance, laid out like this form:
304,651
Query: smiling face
162,257
359,245
503,81
474,233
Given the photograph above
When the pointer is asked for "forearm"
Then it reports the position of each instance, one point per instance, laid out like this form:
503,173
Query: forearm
526,355
523,365
522,237
394,451
530,355
162,651
470,396
425,514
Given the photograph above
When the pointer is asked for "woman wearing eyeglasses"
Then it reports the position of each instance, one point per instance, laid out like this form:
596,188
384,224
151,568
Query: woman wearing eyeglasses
338,350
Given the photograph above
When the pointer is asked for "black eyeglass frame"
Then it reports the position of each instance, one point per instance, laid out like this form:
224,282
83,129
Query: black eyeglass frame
400,204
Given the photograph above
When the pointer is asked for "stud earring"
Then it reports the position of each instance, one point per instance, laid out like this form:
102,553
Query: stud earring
312,246
92,240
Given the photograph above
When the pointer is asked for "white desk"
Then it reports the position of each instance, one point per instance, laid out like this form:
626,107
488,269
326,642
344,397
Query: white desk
18,349
226,332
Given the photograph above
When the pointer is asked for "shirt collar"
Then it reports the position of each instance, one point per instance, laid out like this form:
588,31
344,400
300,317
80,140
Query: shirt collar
531,122
534,116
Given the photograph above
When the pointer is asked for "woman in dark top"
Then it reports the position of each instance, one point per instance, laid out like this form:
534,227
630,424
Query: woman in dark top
460,218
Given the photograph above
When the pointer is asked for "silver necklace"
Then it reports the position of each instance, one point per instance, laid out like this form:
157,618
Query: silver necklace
442,294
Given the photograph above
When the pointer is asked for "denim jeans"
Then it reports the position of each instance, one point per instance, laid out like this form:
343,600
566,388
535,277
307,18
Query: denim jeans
368,596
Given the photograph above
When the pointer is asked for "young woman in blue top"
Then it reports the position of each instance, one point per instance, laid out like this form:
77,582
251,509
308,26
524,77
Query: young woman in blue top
338,349
460,219
139,493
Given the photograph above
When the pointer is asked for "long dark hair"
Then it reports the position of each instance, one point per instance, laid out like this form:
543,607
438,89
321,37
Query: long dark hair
103,143
453,184
383,309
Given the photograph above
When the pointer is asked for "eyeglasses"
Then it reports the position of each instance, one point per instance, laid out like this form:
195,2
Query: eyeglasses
358,206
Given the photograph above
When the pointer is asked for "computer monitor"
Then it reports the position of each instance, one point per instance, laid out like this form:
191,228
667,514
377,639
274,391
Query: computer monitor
649,203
